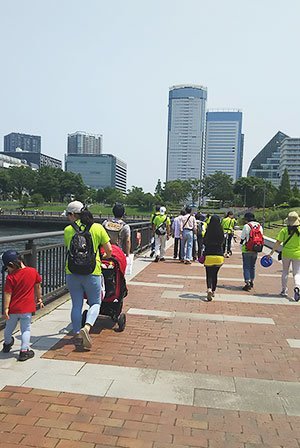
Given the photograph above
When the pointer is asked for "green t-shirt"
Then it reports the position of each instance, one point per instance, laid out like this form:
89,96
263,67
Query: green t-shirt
292,248
99,237
228,224
159,219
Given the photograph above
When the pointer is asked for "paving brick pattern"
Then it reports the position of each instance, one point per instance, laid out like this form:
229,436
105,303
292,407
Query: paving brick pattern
217,348
37,418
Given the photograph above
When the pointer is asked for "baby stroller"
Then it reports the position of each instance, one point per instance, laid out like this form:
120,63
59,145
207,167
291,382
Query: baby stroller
113,271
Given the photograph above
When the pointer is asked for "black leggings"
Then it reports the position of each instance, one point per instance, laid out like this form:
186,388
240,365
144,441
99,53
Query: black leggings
212,276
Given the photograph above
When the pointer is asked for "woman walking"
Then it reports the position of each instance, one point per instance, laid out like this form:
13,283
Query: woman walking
213,242
83,239
289,237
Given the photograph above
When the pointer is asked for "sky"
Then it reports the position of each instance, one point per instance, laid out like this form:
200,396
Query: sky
105,67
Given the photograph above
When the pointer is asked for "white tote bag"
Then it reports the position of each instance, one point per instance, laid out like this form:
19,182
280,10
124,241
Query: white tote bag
129,266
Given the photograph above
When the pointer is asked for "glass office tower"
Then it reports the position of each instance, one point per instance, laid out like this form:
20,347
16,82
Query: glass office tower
224,143
186,131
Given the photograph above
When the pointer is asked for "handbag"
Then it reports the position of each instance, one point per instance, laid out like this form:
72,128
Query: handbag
283,244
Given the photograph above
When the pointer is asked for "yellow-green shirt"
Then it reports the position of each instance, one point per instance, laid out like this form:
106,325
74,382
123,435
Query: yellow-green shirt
159,219
292,248
99,237
228,224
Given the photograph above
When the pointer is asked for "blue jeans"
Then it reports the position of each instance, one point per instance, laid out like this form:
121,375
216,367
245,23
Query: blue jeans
78,286
249,260
11,323
187,244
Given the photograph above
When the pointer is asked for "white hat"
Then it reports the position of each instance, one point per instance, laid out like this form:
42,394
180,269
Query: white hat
75,207
292,219
162,210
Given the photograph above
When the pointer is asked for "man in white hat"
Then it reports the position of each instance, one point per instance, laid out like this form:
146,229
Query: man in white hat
161,231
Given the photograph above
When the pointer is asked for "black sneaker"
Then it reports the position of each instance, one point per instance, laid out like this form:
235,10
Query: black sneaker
7,347
162,259
152,253
26,354
251,284
156,259
247,287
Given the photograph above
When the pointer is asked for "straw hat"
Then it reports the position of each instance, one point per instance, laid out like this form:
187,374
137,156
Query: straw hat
292,219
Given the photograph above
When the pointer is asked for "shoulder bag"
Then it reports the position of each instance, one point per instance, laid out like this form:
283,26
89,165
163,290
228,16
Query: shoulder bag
283,244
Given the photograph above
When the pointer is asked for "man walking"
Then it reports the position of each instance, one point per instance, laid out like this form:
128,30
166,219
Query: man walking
188,228
228,224
176,235
252,241
161,231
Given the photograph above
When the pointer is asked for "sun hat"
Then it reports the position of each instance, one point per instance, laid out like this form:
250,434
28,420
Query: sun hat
162,210
292,219
9,256
74,207
266,261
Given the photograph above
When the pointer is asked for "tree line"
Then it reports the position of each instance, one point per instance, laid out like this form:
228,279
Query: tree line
53,184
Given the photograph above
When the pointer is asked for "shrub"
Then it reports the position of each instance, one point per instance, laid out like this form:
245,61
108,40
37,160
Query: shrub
294,202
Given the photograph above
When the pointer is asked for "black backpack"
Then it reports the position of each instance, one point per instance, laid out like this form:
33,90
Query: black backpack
81,255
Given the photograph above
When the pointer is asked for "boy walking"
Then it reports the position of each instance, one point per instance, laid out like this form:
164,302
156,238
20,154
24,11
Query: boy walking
22,286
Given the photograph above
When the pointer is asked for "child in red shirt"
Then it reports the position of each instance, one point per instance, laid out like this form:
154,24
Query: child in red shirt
22,285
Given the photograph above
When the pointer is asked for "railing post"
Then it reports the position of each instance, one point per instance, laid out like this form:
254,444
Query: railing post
31,259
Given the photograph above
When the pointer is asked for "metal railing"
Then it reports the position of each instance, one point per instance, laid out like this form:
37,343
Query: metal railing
49,259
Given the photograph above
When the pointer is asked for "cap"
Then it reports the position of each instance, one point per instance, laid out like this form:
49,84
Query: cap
292,219
75,207
162,210
9,256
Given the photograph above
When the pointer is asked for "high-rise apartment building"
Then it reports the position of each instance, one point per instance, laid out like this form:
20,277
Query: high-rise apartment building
186,131
83,143
24,142
266,164
224,143
98,170
290,159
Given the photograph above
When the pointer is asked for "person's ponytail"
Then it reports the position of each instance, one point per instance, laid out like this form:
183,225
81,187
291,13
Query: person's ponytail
86,217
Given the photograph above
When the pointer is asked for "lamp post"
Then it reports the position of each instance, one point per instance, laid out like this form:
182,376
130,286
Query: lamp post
264,205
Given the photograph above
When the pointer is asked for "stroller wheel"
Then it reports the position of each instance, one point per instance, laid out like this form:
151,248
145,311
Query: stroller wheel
122,322
83,318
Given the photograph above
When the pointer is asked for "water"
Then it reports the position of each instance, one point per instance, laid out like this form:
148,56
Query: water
12,230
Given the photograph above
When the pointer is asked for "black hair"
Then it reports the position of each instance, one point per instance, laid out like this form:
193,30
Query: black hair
214,233
182,211
229,213
188,209
293,229
198,216
86,217
157,208
118,210
249,216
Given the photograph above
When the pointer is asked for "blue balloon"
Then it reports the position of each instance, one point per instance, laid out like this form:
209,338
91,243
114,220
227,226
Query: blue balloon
266,262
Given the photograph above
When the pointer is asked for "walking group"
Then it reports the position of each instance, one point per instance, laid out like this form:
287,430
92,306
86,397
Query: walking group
95,269
208,240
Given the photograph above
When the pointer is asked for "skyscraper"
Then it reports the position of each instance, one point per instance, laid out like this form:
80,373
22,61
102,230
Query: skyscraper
290,159
224,143
186,127
84,143
25,142
266,164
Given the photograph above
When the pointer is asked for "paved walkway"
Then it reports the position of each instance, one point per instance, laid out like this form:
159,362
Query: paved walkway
184,373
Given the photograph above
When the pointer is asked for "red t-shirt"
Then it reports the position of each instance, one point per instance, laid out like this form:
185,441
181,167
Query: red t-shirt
20,284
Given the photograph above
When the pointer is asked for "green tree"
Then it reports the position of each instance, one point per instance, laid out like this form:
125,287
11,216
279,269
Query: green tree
284,192
135,196
5,183
48,183
294,202
158,189
176,191
23,180
24,200
218,186
70,184
195,190
295,191
253,191
37,199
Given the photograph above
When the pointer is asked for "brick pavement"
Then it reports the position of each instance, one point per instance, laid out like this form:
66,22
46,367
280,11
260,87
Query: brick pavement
37,418
217,348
